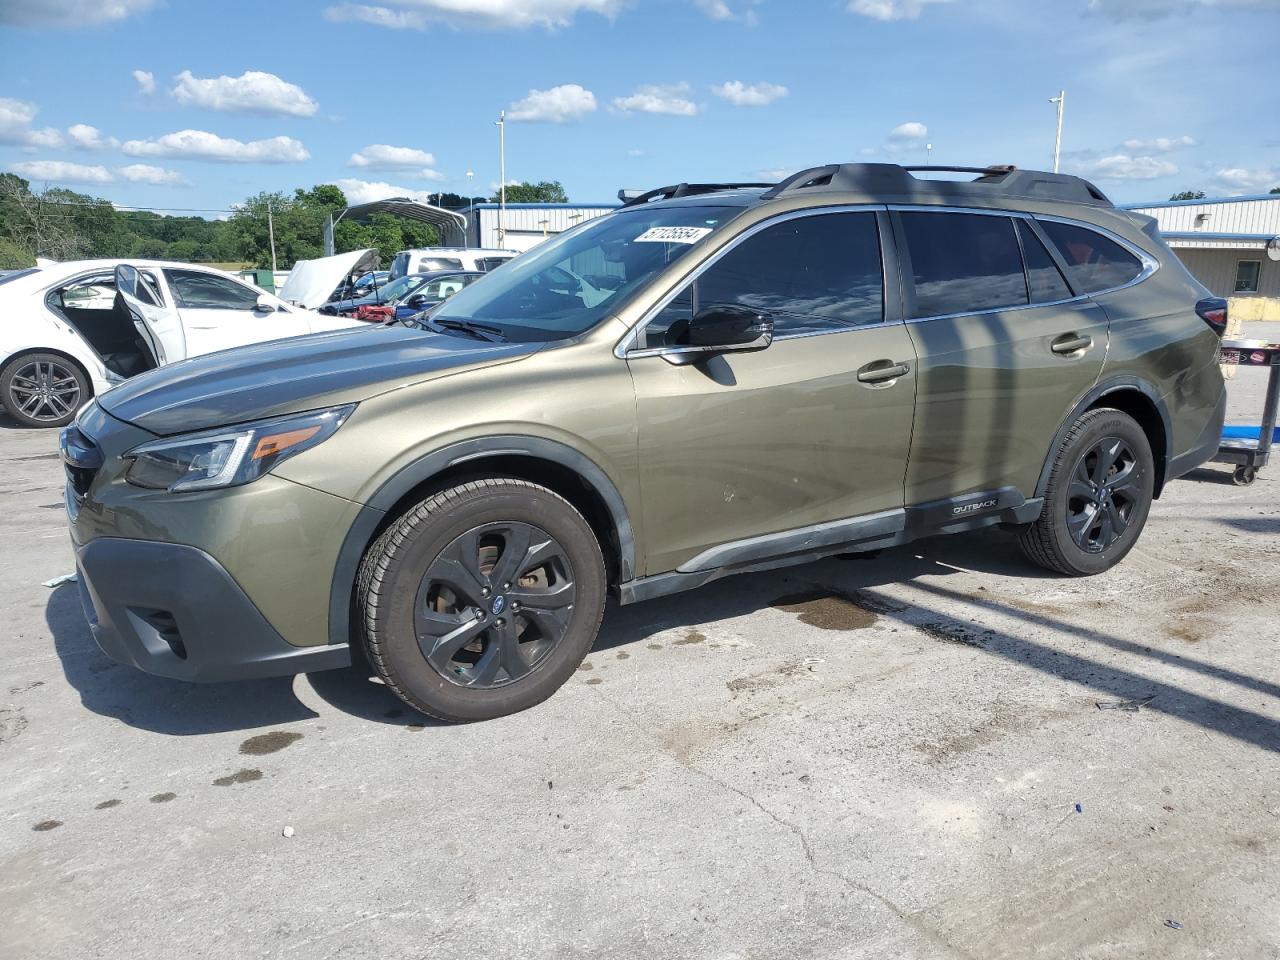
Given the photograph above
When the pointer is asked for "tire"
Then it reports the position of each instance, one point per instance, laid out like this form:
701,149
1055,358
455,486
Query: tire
438,582
43,389
1097,499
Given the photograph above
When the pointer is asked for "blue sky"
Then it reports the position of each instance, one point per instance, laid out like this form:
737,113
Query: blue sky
186,104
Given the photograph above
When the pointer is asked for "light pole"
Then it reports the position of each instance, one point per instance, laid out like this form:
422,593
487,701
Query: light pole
471,206
928,152
502,178
1061,101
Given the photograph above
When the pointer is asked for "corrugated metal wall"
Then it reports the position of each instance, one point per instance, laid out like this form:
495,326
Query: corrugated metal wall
1216,269
1235,216
525,224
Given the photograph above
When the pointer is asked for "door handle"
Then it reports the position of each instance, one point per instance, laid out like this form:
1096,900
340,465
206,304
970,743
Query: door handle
880,371
1071,343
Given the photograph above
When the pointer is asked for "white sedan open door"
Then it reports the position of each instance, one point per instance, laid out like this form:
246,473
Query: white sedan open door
157,323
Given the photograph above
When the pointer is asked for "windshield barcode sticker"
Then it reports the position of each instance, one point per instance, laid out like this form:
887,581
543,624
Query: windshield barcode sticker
673,235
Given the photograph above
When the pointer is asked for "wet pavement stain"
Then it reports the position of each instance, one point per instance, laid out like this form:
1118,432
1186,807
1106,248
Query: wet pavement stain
107,804
164,797
415,727
955,633
266,743
655,646
240,776
693,636
623,655
586,665
595,680
827,611
44,825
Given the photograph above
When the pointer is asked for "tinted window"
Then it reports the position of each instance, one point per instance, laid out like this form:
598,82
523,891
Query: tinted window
811,274
1043,276
964,263
1093,262
201,291
491,263
428,264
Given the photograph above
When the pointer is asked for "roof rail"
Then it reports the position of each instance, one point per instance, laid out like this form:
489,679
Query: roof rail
630,199
889,180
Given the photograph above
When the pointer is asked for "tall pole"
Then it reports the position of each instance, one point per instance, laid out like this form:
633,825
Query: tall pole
271,233
471,207
502,178
1061,101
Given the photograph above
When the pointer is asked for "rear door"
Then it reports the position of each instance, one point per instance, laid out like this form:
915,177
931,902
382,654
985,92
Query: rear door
1005,350
815,428
220,312
156,320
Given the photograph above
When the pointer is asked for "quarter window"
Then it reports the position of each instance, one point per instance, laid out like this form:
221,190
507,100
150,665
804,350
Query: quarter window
1247,272
1043,276
963,262
203,291
810,274
1094,263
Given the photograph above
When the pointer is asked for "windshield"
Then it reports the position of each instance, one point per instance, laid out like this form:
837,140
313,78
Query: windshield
567,285
398,288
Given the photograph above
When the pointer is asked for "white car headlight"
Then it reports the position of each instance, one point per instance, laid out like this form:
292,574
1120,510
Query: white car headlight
229,457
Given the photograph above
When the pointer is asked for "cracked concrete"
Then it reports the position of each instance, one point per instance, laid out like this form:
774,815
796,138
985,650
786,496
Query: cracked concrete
888,765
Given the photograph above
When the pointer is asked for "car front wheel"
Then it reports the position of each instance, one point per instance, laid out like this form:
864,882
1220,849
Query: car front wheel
1097,499
482,600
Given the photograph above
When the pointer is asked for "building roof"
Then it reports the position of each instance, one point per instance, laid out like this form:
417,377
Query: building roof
1192,203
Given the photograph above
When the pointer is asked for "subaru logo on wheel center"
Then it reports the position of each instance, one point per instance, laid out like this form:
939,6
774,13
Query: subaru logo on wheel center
498,604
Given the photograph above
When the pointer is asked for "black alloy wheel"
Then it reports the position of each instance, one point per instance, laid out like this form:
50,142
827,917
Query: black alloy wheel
1103,494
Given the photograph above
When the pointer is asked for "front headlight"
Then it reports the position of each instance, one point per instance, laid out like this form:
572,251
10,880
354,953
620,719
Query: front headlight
230,457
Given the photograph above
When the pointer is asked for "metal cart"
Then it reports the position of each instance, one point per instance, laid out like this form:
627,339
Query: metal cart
1249,454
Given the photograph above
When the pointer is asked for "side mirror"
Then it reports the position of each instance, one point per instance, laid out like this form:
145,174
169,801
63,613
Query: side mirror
417,300
264,304
722,328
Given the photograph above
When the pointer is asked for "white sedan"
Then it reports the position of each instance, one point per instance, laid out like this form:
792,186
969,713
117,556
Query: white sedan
65,335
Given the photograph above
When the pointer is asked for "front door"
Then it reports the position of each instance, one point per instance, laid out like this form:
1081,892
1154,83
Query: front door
220,312
813,429
156,321
1005,350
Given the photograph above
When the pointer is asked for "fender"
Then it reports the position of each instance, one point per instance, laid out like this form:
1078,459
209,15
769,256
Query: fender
1095,393
391,492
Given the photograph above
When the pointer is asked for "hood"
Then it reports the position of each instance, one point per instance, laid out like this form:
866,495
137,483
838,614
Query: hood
312,282
301,373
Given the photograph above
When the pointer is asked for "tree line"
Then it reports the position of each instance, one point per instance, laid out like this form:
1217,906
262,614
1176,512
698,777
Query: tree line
62,224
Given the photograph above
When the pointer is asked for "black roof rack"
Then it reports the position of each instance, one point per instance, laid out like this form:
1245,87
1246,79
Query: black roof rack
890,181
681,190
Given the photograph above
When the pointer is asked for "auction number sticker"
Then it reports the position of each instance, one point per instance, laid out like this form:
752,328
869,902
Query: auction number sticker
673,235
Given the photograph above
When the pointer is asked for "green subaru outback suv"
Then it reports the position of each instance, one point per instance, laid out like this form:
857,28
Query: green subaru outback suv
713,378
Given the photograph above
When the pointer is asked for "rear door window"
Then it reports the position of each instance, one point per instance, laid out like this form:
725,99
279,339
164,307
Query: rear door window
1043,276
1094,263
963,262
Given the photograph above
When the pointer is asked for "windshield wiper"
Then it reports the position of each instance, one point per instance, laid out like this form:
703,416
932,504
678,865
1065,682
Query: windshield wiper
481,331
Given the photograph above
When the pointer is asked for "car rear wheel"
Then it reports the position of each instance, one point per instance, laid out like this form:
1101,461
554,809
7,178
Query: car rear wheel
482,600
1097,499
43,389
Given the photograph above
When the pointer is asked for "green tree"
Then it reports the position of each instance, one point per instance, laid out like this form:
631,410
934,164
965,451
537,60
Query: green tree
1275,190
1188,195
548,191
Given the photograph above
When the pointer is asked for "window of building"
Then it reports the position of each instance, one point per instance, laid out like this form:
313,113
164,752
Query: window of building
1247,273
1094,263
813,274
964,263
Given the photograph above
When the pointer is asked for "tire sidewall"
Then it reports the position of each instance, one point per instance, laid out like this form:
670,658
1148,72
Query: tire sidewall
393,615
1110,424
11,368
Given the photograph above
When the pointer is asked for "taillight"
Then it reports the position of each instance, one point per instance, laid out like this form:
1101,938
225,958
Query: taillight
1213,311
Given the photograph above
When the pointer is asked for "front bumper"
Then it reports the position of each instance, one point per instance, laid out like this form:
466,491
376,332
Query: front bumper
174,611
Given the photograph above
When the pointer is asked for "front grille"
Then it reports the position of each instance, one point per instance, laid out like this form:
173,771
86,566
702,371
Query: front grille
81,458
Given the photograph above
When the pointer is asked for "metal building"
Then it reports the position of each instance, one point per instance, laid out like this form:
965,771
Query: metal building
1230,244
526,225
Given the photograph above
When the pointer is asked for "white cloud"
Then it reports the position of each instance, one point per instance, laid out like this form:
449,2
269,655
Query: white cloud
60,171
366,191
252,92
481,14
1254,181
1159,144
68,13
1122,166
637,152
777,173
715,9
891,9
85,137
909,132
157,176
383,156
671,99
749,95
16,117
201,145
146,81
569,101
